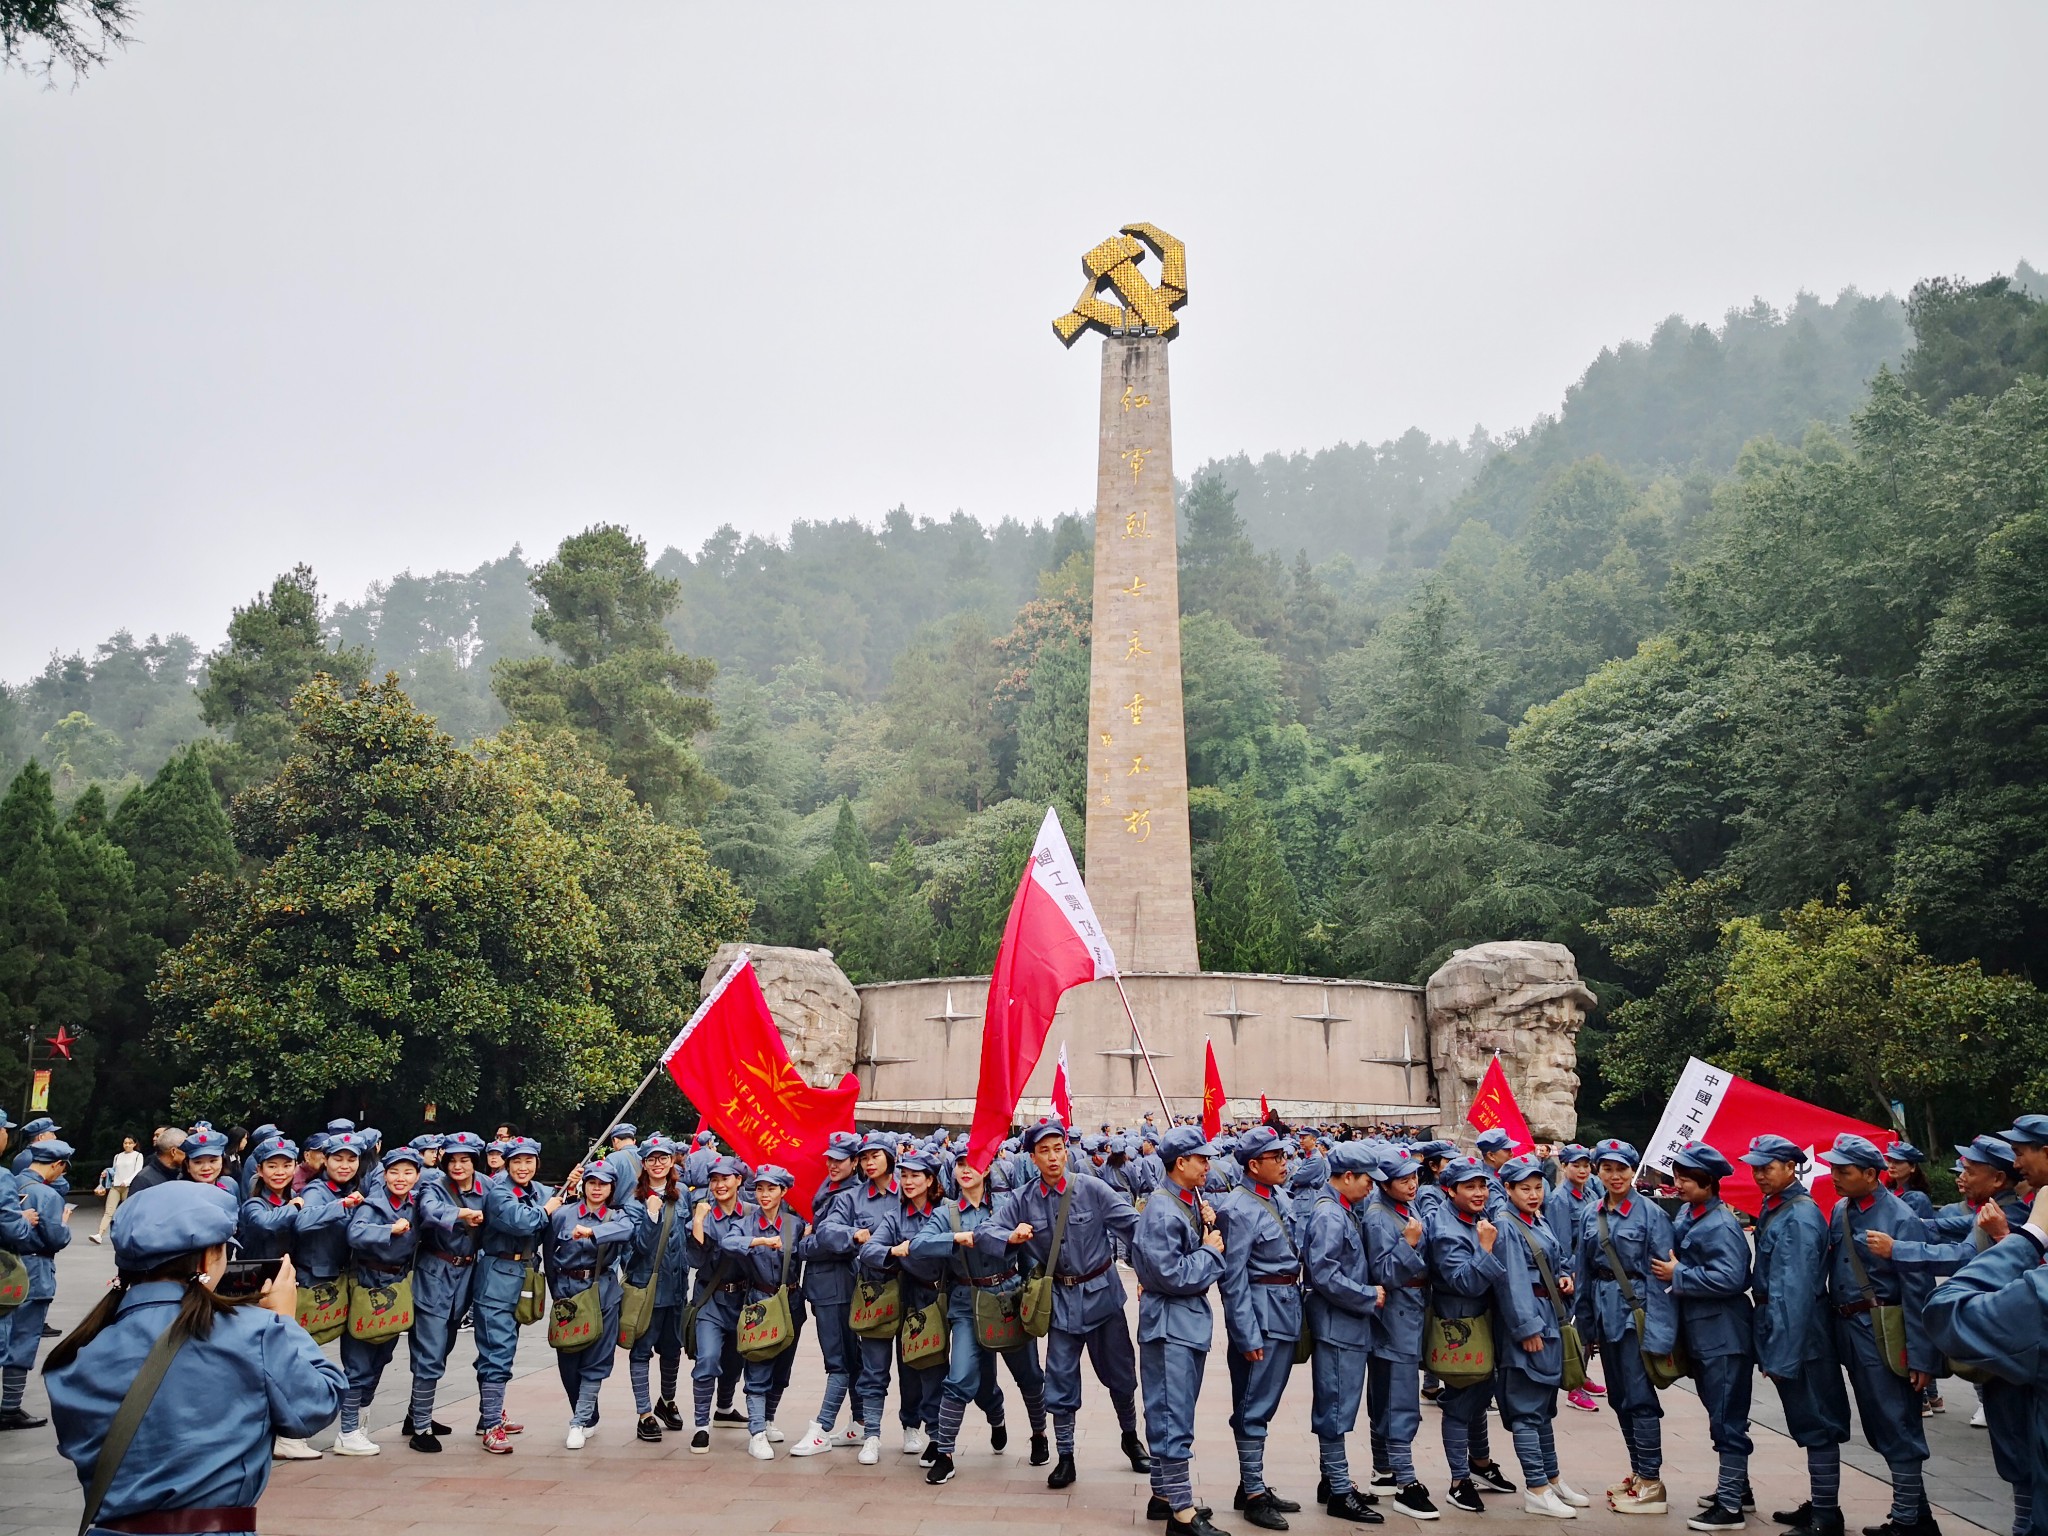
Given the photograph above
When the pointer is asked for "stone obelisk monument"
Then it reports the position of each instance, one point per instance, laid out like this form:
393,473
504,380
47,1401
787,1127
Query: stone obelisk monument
1139,858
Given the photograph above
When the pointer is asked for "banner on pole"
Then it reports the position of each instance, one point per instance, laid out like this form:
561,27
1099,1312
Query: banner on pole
39,1095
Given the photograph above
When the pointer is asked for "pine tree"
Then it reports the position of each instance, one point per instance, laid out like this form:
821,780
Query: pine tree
751,832
1247,913
1052,731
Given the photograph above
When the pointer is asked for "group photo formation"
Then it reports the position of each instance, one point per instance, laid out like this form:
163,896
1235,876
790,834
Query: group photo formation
908,770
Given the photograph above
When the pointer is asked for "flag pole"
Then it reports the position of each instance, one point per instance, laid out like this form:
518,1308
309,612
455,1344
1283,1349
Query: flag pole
1139,1035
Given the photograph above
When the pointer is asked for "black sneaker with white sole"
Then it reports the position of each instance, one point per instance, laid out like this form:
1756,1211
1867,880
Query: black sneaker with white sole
1490,1479
1414,1502
1463,1495
1709,1500
940,1470
700,1442
1716,1517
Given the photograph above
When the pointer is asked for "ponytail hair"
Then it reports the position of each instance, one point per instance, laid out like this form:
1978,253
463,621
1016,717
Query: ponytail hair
196,1312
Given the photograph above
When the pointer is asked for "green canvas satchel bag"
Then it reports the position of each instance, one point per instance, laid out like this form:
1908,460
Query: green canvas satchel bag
636,1308
1034,1303
379,1312
767,1327
1887,1323
1663,1370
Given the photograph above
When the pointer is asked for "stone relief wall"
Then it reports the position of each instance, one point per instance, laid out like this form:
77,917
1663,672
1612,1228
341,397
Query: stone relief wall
815,1006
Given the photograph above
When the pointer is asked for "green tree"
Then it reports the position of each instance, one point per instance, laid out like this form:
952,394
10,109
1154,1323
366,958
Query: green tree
1052,731
37,36
1972,339
1220,572
954,752
879,927
973,880
275,645
431,926
1247,912
621,688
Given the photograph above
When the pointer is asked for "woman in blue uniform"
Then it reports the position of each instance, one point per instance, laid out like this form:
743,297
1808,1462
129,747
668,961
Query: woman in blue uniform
39,1191
268,1229
383,1236
253,1368
889,1251
586,1242
451,1204
773,1261
661,1258
516,1213
1529,1342
206,1161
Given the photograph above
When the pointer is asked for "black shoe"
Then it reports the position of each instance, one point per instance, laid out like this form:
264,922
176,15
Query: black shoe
1924,1526
929,1454
1464,1496
1285,1506
425,1443
701,1440
1716,1517
1352,1506
999,1438
1803,1515
1199,1526
671,1416
1431,1394
1157,1508
20,1418
1709,1500
1384,1480
1822,1522
1322,1490
1134,1449
1490,1479
1062,1473
940,1470
1260,1510
52,1333
1041,1450
650,1427
1414,1501
438,1427
728,1416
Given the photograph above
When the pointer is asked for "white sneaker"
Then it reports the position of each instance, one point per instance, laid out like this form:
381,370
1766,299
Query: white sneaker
577,1435
853,1434
812,1442
282,1449
870,1451
1542,1501
775,1436
913,1442
1569,1494
356,1442
1977,1419
759,1448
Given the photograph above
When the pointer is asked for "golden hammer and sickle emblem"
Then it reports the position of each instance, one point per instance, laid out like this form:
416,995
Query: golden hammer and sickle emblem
1112,267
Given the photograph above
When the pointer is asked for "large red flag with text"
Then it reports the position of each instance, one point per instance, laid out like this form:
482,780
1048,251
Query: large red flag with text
1494,1105
1212,1093
730,1062
1713,1105
1051,942
1062,1090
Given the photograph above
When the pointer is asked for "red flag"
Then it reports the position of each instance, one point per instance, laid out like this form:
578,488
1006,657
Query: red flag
730,1062
1062,1093
1212,1093
1051,942
1713,1105
1494,1105
1265,1114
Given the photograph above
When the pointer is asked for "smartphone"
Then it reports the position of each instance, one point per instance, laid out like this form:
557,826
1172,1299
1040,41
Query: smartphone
246,1278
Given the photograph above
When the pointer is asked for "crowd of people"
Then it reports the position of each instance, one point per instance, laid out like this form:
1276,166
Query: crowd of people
1493,1284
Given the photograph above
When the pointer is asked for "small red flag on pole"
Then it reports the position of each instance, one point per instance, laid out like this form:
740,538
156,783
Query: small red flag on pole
1212,1093
1062,1092
1494,1105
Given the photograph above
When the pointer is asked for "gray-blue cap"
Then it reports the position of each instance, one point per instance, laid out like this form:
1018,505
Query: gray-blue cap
1516,1169
1988,1150
1494,1139
1257,1142
1353,1157
50,1151
2027,1131
1701,1158
177,1218
1852,1151
1185,1141
1774,1149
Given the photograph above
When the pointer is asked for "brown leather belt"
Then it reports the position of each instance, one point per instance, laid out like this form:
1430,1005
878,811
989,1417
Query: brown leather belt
990,1282
1276,1279
457,1259
184,1522
1092,1274
1857,1308
576,1274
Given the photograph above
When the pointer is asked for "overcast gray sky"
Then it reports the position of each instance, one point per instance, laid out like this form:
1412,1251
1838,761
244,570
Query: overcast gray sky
390,286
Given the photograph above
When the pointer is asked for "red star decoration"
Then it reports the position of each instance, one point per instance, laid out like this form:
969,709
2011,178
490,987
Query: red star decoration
62,1041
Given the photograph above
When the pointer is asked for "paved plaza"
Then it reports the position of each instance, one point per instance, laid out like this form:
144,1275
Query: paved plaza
617,1484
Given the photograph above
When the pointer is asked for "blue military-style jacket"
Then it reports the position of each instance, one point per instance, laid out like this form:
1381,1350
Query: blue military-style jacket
1712,1282
1564,1209
966,1264
577,1263
514,1218
829,1249
376,1253
670,1268
1639,1231
1342,1297
921,1269
1890,1285
1522,1302
1463,1277
1261,1267
721,1259
448,1246
321,1249
1792,1315
762,1268
1087,1291
14,1227
1953,1237
1403,1270
269,1225
1175,1270
46,1239
1995,1310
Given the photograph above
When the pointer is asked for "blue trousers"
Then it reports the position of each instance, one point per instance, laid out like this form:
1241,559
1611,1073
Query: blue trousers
718,1322
1887,1404
1463,1412
664,1337
1256,1387
433,1339
1393,1409
584,1370
971,1369
1724,1383
1172,1374
2008,1414
918,1390
1109,1351
871,1387
1816,1405
839,1346
21,1334
1336,1382
1635,1404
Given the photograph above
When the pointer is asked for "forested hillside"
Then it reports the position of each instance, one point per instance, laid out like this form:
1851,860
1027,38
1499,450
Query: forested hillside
1733,675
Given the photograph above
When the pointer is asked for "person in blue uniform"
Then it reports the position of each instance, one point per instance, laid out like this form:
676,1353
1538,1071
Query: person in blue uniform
451,1213
970,1366
517,1213
718,1245
1708,1272
587,1242
1494,1147
1464,1270
1794,1333
205,1156
245,1177
1342,1306
1906,1173
1529,1312
828,1280
268,1229
1994,1310
21,1331
383,1237
42,1128
1570,1198
856,1214
774,1260
660,1258
1309,1170
1859,1281
1612,1287
1178,1253
248,1367
1261,1289
1088,1297
890,1251
1395,1263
